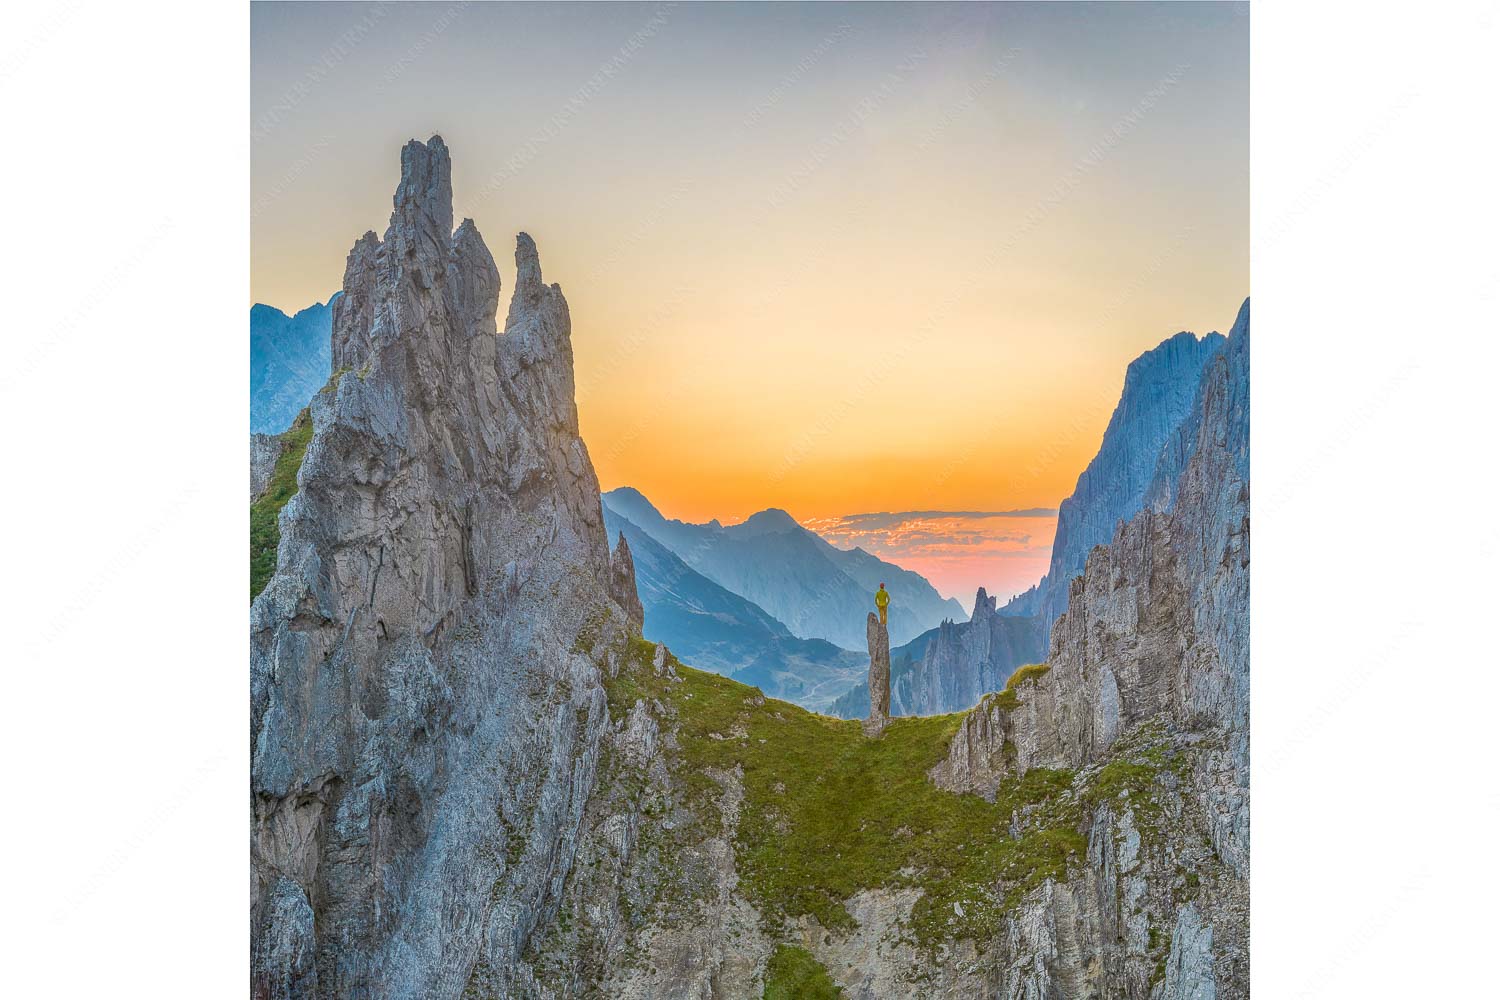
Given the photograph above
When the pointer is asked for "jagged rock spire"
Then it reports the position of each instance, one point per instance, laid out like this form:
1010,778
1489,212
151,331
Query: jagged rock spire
445,546
622,582
984,605
423,202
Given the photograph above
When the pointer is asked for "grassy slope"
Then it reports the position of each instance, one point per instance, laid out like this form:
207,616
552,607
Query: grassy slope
265,535
794,974
829,812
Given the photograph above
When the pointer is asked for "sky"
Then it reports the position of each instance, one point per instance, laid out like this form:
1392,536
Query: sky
831,258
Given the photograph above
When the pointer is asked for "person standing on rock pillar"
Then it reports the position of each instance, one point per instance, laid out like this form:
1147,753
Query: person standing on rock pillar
882,601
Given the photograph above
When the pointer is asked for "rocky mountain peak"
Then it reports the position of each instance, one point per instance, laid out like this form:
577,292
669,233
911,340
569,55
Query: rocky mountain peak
531,292
769,520
424,198
984,605
444,547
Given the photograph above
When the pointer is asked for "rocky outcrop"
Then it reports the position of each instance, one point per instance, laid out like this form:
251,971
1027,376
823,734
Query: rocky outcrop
879,641
265,449
426,722
965,660
622,582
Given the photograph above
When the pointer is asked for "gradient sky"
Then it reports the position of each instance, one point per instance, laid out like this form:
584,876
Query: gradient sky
830,258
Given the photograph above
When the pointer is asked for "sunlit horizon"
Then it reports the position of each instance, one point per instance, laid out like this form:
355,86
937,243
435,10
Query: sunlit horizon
828,258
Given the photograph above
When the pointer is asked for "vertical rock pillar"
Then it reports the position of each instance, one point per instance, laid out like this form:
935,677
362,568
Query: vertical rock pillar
880,675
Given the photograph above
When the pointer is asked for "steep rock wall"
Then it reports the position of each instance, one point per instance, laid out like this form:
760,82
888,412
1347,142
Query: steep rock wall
425,725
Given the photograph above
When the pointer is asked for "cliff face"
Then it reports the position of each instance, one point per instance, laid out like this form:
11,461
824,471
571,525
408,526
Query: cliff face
1148,687
965,660
1160,387
424,729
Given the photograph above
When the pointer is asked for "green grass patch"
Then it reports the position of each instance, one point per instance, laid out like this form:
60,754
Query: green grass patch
1029,672
793,974
265,534
829,812
1008,698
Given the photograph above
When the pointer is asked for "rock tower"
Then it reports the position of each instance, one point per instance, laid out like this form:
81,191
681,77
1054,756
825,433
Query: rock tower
880,675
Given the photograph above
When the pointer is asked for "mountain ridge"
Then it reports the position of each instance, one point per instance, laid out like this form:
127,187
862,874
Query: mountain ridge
718,630
813,587
290,359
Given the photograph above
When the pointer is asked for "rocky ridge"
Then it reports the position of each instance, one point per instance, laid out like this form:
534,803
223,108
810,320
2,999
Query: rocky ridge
1156,401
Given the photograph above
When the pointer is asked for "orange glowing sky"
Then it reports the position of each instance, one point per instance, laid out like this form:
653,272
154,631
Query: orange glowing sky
828,258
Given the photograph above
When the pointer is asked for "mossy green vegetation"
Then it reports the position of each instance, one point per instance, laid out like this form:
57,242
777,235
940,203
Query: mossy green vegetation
265,534
1008,698
1133,776
793,974
828,812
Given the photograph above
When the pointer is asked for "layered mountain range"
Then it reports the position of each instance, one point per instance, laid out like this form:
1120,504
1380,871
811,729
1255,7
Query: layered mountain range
473,777
717,629
817,590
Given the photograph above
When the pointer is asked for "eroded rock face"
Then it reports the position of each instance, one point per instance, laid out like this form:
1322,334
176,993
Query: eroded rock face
425,724
265,449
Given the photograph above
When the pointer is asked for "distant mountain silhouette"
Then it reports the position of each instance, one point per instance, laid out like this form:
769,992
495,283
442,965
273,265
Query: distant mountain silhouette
289,361
717,630
816,590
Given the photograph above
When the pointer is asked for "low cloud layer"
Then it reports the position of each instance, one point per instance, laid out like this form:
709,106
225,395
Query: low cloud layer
959,551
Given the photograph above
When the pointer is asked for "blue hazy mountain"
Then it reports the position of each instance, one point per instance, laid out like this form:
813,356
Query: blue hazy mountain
1156,404
713,629
816,590
289,361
